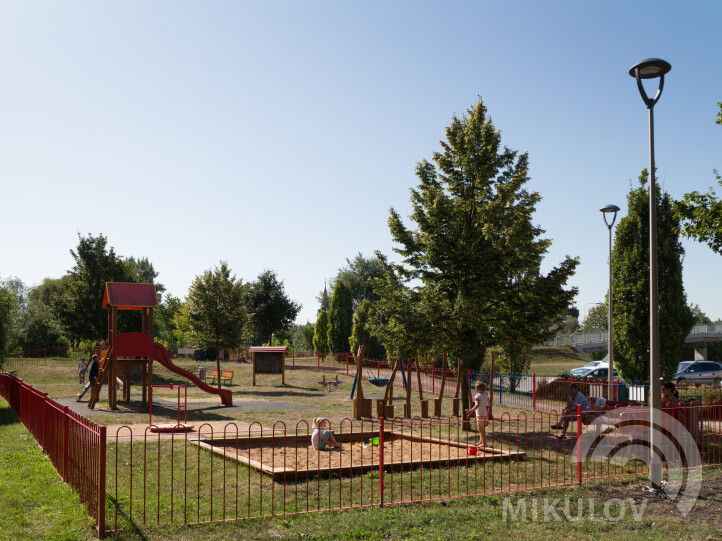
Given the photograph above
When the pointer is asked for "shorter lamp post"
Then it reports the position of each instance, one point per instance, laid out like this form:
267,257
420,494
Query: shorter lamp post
612,211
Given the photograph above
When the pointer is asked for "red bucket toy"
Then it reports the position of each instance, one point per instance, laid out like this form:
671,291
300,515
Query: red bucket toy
473,450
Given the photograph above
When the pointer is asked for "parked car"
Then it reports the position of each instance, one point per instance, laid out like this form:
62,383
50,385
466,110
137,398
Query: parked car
700,372
684,364
598,364
602,374
580,372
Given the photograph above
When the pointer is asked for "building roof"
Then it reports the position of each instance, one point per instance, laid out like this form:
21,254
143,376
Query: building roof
269,349
126,296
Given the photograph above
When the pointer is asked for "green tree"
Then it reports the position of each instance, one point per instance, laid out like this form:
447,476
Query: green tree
700,214
37,327
303,337
700,318
597,318
362,331
270,308
79,305
44,293
700,217
340,318
141,271
8,306
182,332
320,335
358,275
630,272
475,249
216,310
164,322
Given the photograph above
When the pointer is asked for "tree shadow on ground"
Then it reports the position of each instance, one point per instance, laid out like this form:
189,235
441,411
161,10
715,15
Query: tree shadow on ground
8,416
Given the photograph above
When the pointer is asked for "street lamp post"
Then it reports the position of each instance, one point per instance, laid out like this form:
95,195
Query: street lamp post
652,68
612,210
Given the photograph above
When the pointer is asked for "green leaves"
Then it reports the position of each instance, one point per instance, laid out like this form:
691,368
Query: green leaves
216,309
474,248
320,334
340,318
270,308
630,271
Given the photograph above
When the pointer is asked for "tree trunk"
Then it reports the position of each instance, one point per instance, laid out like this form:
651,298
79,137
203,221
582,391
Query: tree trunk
218,364
465,391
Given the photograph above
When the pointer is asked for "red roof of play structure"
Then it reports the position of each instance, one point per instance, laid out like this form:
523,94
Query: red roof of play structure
269,349
130,296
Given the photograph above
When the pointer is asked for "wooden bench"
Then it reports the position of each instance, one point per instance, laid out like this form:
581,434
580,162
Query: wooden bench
226,376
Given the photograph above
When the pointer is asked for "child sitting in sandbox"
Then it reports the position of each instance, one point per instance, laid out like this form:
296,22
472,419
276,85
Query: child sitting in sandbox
322,439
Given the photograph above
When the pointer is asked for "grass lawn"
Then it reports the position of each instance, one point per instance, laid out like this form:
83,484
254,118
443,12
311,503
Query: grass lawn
554,361
484,518
35,502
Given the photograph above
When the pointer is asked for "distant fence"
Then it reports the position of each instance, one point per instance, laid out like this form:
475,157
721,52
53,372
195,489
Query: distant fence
75,445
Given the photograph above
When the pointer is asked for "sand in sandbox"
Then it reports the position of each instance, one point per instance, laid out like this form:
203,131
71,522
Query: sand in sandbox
287,455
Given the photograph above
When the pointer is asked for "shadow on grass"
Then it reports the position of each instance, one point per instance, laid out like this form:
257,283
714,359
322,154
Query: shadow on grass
130,528
8,416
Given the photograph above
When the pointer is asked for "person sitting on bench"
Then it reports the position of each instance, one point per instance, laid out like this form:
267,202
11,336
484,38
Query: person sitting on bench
570,413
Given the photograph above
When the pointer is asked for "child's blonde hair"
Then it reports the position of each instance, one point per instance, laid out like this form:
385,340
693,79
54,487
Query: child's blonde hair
480,386
317,421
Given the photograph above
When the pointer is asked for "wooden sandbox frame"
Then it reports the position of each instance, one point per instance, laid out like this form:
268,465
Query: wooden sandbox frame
219,446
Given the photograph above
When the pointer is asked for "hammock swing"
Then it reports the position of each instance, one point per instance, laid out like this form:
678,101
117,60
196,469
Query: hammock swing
377,382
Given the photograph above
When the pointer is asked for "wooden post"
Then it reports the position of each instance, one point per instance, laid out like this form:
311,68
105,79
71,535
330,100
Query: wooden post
358,403
283,368
389,392
407,406
253,359
438,402
491,387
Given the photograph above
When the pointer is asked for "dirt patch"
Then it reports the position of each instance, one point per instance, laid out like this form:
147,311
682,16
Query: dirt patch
708,507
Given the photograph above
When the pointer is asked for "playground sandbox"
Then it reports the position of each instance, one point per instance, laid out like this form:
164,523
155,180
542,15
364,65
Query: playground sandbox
291,457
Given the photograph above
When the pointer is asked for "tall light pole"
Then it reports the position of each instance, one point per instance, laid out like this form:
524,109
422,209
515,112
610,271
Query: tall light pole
612,210
652,68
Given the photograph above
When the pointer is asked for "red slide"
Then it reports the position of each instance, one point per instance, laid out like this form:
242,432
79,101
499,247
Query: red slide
160,354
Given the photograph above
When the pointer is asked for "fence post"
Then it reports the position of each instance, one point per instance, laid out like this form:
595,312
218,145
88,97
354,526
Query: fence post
347,356
579,447
433,380
66,430
318,363
101,482
381,461
533,392
378,369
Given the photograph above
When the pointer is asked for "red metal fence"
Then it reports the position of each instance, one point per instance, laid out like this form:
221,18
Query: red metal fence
75,445
236,473
240,472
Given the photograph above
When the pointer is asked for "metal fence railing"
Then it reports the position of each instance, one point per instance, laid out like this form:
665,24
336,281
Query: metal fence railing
75,445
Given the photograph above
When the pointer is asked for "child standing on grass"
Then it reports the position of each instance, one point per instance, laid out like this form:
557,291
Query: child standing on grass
481,408
81,371
322,439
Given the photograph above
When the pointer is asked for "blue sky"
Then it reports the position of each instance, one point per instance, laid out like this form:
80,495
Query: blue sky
278,134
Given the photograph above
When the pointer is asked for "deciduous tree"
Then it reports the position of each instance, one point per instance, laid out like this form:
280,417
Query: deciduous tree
216,310
269,307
